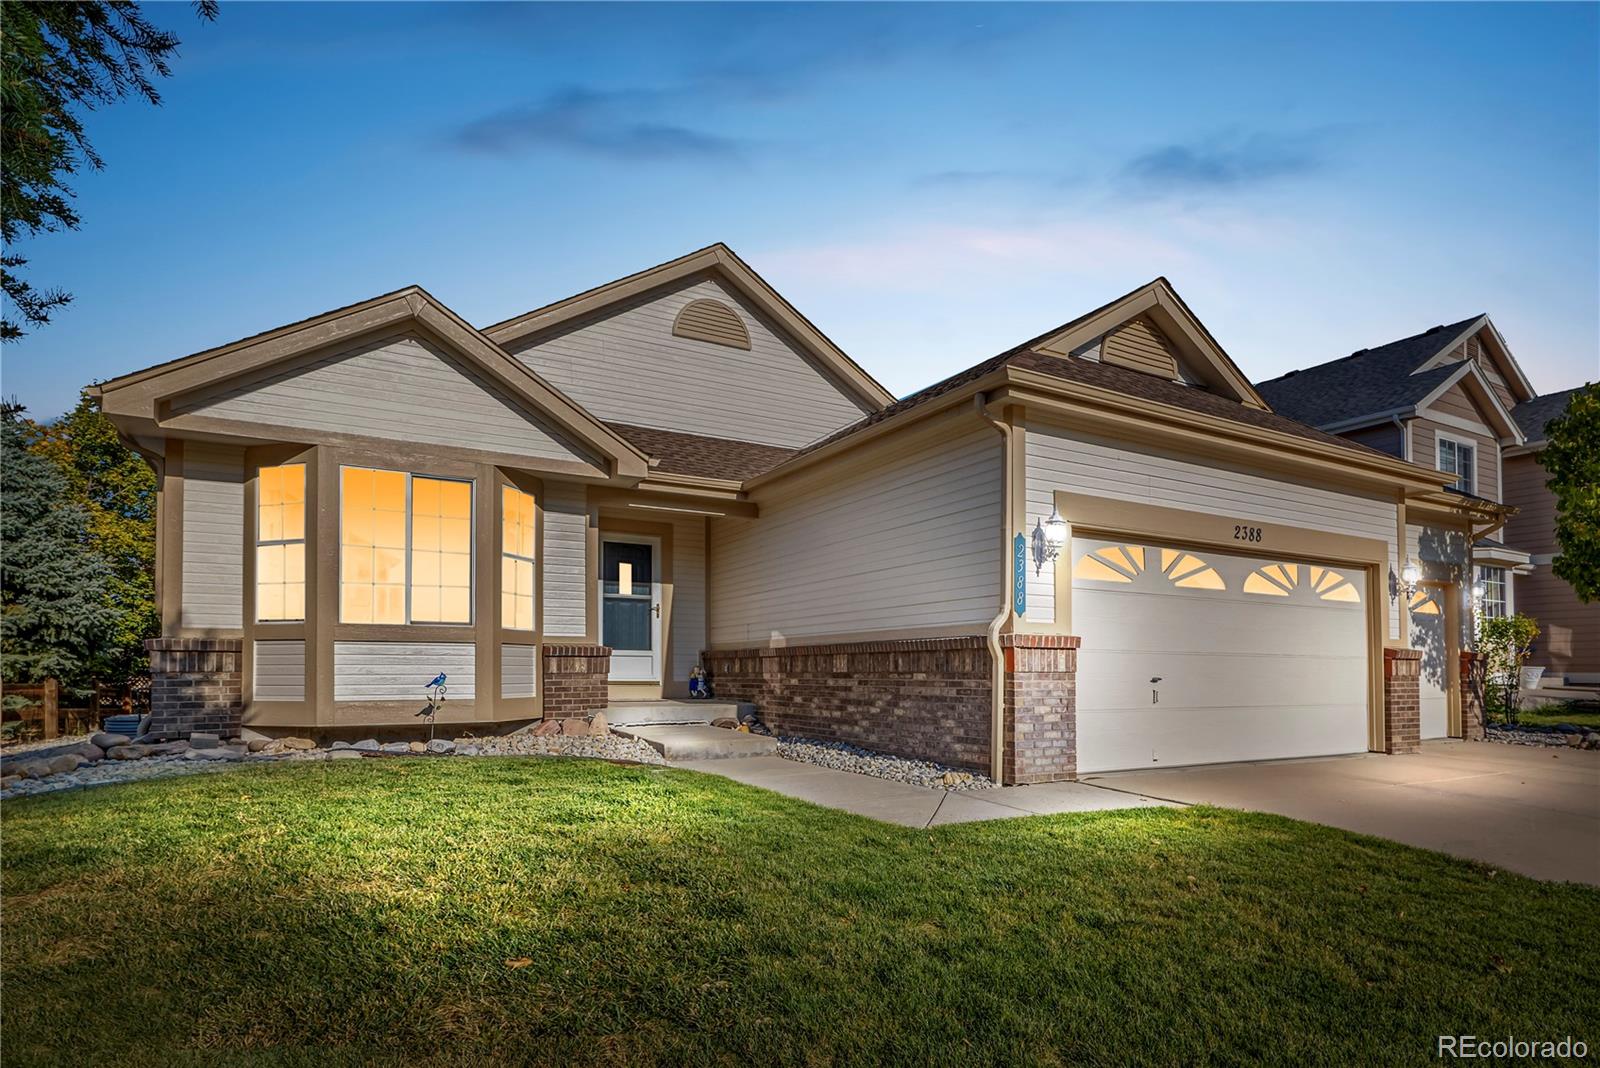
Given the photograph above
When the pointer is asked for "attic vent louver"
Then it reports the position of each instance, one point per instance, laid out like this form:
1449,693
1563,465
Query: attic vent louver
713,321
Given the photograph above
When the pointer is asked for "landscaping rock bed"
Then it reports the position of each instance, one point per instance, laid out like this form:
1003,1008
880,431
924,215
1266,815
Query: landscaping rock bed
1564,735
844,757
105,758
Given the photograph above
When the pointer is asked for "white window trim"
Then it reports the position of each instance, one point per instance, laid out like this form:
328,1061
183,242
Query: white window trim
1505,589
305,523
1460,443
472,551
534,560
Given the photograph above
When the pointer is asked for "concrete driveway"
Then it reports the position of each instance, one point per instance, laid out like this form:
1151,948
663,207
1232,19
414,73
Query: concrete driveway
1528,810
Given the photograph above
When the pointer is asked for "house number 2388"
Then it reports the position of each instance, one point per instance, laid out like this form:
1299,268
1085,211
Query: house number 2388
1244,533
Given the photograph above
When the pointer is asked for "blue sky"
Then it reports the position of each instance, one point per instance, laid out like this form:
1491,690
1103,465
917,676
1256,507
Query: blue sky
930,184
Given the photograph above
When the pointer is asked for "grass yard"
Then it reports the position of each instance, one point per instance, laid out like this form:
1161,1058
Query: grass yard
1550,715
575,912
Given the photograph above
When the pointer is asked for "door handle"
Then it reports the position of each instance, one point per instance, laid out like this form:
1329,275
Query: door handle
656,608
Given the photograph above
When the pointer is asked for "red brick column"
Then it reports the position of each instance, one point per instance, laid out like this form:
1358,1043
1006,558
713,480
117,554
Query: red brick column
1402,700
1041,732
575,678
1472,682
196,684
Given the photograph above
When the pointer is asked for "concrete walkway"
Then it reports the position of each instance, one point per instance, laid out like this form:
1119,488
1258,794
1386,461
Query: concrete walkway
1520,808
913,806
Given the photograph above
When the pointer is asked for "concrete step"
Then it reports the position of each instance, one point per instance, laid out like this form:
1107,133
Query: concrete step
644,713
696,741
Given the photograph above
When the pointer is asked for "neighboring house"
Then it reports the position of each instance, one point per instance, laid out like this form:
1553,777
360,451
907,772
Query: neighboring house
1569,639
578,505
1454,398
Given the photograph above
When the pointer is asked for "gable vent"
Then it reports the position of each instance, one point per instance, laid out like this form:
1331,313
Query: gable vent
713,321
1139,345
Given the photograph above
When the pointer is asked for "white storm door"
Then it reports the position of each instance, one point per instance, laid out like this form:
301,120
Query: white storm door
1429,634
630,606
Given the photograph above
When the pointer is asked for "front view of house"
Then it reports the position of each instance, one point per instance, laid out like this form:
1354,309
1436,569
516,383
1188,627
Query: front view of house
1101,549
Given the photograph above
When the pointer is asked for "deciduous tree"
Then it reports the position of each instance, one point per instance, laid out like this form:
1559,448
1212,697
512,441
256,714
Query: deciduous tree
1572,460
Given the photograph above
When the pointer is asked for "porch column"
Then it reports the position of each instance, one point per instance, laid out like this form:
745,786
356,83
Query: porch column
1472,670
196,684
575,680
1402,700
1041,705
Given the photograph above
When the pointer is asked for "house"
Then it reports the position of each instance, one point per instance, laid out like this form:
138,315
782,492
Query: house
1454,398
1569,641
1099,549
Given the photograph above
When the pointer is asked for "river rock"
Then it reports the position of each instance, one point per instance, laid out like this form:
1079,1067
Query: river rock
366,745
66,762
416,747
395,748
598,725
109,741
91,752
344,754
574,726
297,743
441,747
128,752
202,740
547,728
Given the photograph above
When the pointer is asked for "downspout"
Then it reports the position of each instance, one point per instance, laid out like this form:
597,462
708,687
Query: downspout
1405,438
997,673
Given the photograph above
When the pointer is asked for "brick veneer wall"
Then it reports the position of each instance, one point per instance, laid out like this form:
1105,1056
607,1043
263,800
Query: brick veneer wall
196,684
575,679
1402,700
1472,683
924,698
1041,729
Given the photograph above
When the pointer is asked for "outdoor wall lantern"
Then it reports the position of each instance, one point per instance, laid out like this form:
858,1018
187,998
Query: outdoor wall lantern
1410,576
1479,592
1049,537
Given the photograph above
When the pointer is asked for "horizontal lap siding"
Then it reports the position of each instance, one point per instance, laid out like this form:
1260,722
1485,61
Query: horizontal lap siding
399,671
1060,460
1533,528
405,389
280,671
688,635
213,536
519,670
627,366
565,571
1424,439
911,542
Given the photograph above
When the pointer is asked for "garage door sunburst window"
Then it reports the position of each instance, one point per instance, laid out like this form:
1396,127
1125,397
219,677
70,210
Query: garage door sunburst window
1280,580
1123,563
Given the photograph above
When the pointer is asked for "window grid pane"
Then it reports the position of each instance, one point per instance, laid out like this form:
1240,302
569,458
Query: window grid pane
280,543
441,551
372,546
516,558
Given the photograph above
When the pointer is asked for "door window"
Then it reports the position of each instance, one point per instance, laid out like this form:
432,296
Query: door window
626,577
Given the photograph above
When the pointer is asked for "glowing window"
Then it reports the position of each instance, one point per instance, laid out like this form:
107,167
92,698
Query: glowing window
1274,580
281,543
1424,603
1189,571
441,550
1114,563
1332,586
372,546
516,559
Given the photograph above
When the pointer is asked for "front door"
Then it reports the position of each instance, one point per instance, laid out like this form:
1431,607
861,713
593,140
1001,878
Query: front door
1432,633
630,606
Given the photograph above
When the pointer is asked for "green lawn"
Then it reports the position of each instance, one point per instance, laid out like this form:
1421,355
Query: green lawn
1550,715
575,912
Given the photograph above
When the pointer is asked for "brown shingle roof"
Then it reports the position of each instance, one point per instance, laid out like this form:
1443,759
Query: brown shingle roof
676,453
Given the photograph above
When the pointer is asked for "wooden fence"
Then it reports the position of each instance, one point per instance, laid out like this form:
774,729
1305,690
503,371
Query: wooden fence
51,715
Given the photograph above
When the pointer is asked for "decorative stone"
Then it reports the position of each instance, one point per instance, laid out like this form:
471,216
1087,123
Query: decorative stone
128,752
144,723
465,741
395,748
416,747
91,752
66,762
547,728
598,726
725,722
256,745
219,753
366,745
344,754
109,741
574,727
34,769
340,745
441,747
297,743
8,781
467,750
202,740
170,748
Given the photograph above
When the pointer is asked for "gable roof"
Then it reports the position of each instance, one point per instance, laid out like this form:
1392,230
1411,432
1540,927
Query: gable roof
141,396
1068,368
720,260
1366,383
1534,415
673,452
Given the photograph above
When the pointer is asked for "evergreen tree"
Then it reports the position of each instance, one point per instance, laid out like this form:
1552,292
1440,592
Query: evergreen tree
52,585
118,489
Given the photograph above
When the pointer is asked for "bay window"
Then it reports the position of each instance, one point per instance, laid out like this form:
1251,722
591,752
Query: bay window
516,559
405,548
281,543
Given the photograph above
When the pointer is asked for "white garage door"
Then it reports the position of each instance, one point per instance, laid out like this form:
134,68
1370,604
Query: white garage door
1427,633
1203,657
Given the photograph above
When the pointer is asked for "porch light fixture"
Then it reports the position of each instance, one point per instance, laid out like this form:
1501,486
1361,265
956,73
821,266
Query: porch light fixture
1479,592
1410,576
1049,537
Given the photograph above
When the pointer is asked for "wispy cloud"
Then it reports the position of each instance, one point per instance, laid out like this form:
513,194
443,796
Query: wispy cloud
596,122
1226,162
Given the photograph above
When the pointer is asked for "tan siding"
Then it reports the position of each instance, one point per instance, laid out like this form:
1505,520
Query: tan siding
626,365
404,389
519,670
713,321
688,635
1569,638
1058,459
280,671
565,575
910,542
399,671
1139,344
213,536
1385,438
1533,528
1456,401
1424,451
